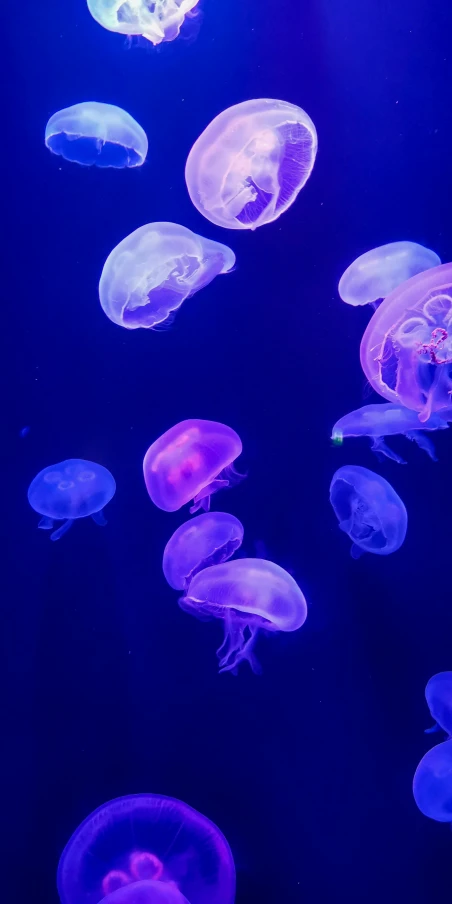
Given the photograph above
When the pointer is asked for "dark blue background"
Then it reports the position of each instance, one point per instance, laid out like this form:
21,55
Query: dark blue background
108,687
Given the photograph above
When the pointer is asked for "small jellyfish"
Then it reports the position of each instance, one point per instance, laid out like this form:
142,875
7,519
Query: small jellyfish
154,269
209,539
438,694
368,510
192,460
432,783
373,275
251,161
143,841
97,134
156,20
249,595
388,419
71,489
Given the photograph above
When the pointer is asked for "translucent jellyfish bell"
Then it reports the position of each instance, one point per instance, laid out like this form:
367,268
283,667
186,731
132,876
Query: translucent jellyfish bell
251,161
388,419
438,694
373,275
94,133
368,510
209,539
72,489
432,783
152,271
142,839
249,595
156,20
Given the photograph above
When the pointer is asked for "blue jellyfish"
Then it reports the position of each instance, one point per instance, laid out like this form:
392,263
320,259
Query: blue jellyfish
144,841
156,20
250,595
432,783
373,275
438,694
390,419
154,269
250,163
71,489
368,510
94,133
192,460
209,539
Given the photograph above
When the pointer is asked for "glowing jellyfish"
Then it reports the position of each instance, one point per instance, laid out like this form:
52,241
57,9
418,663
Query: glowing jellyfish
251,161
375,274
192,460
71,489
368,510
152,271
156,20
209,539
432,783
99,134
142,839
438,694
388,419
406,350
250,595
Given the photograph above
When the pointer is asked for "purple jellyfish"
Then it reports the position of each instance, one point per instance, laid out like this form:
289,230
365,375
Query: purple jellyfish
432,783
388,419
141,842
72,489
249,595
368,510
192,460
209,539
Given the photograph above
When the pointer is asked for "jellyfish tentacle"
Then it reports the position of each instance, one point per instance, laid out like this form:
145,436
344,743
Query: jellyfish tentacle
236,646
379,446
62,530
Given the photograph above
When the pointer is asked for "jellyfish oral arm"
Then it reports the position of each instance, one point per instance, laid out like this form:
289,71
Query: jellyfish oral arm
238,643
379,446
62,530
202,499
45,523
424,442
99,518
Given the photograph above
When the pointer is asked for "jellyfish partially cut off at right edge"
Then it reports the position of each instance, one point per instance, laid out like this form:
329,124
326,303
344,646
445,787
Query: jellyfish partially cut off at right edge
390,419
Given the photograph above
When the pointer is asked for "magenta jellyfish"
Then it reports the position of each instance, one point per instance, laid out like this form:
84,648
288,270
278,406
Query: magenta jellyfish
94,133
156,20
432,783
69,490
438,694
192,460
388,419
368,510
209,539
373,275
142,839
250,163
249,595
406,350
153,270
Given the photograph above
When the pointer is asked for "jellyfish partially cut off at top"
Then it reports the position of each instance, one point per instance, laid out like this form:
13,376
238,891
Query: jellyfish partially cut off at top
249,595
97,134
438,694
155,20
388,419
369,510
207,540
432,783
373,275
71,489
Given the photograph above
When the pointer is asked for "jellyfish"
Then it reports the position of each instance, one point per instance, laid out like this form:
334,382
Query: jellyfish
192,460
209,539
141,842
368,510
71,489
250,595
406,350
432,783
438,694
388,419
251,161
99,134
373,275
156,20
150,273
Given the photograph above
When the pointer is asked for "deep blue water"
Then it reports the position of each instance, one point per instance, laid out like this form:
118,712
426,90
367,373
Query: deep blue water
109,688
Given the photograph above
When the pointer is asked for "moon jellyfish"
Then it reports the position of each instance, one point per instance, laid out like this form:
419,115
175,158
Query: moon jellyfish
368,510
388,419
406,350
140,842
156,20
209,539
152,271
192,460
99,134
250,595
251,161
71,489
373,275
438,694
432,783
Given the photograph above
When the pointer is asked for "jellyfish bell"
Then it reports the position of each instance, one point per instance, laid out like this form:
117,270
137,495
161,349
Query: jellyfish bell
209,539
374,274
97,134
432,783
71,489
146,892
157,21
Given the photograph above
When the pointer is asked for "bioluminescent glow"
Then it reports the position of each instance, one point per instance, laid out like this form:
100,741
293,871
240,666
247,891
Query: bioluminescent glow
69,490
373,275
368,510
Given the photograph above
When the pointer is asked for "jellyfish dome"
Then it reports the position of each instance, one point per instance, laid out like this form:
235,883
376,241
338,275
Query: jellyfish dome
153,270
97,134
373,275
156,20
406,350
192,460
146,838
368,510
209,539
250,163
71,489
432,783
249,595
438,694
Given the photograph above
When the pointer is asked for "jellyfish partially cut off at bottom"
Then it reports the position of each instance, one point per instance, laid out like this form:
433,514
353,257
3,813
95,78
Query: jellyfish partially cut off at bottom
390,419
